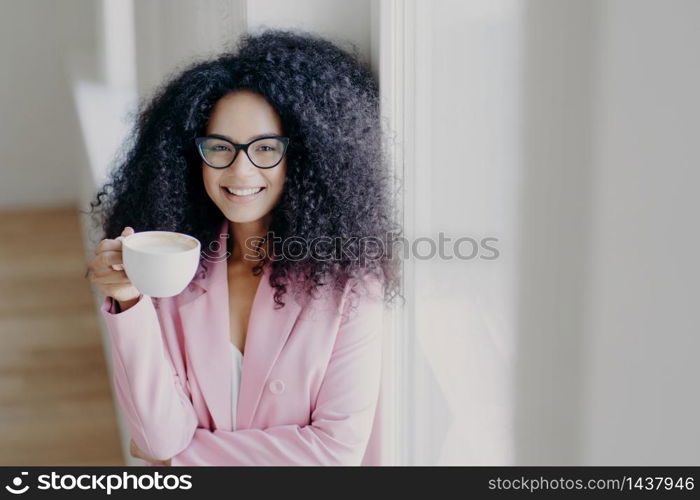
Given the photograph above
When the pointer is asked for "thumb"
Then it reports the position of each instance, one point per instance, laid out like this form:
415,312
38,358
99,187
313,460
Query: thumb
128,230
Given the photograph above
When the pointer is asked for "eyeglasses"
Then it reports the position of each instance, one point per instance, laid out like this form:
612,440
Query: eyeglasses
263,152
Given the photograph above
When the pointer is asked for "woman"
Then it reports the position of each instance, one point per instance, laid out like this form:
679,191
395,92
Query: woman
271,356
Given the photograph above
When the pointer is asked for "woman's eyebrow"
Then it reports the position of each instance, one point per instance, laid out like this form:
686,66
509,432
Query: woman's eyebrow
222,136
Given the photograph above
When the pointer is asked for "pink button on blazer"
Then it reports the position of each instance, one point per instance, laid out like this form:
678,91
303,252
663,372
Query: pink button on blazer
309,384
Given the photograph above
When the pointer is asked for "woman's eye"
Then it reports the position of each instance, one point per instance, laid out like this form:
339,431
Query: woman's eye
269,148
220,148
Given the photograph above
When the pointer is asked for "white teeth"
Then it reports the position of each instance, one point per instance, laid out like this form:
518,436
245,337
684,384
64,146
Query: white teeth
244,192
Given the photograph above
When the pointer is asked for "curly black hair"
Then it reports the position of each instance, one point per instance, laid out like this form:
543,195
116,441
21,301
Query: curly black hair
338,181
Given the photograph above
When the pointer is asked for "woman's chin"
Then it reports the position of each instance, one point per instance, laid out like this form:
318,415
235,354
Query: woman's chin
241,215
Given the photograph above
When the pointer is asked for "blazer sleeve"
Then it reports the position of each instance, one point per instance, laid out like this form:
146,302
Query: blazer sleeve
341,421
160,416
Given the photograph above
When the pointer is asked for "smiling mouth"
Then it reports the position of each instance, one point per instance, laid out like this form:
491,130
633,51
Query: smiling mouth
242,195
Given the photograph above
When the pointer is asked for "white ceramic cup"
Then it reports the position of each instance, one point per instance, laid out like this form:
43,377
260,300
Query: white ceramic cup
160,263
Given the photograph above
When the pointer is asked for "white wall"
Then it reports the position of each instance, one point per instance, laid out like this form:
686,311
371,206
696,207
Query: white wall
641,401
339,20
39,135
462,167
608,266
172,33
553,219
569,130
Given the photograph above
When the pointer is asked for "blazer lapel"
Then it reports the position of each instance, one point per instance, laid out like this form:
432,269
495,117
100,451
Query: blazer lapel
268,330
204,311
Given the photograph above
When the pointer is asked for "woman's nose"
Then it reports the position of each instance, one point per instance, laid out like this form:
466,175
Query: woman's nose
241,161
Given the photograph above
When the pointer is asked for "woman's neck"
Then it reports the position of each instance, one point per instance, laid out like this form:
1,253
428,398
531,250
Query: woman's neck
245,238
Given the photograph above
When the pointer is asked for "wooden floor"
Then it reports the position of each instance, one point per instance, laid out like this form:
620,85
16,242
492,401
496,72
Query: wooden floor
56,404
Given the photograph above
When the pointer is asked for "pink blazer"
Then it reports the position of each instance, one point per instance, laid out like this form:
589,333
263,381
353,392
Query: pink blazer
309,384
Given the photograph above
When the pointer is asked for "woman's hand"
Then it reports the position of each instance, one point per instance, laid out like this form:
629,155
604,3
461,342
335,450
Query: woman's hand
108,273
137,453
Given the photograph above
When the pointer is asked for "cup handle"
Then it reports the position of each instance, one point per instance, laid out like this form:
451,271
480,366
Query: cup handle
118,267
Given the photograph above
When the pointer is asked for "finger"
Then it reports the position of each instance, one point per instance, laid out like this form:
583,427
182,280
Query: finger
114,243
108,258
103,270
112,280
108,245
109,273
128,231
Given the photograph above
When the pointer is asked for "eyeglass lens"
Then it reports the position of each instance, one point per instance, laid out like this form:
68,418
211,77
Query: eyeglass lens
263,152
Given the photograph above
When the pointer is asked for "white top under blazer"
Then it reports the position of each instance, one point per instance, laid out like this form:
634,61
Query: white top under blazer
237,366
